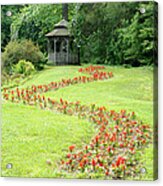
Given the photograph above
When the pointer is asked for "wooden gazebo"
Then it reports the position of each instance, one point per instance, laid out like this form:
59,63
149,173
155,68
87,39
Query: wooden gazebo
61,48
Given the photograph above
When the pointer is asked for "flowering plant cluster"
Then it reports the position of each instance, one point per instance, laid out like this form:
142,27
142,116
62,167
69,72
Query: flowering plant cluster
91,69
96,73
28,92
116,148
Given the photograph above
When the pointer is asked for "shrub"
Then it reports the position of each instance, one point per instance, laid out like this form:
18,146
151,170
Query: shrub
24,67
22,50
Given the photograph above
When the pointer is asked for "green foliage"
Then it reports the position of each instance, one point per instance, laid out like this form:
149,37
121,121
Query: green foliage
24,67
6,22
116,33
18,50
136,40
113,33
36,20
94,27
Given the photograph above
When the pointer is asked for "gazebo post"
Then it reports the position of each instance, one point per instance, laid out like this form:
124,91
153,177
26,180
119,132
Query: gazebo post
67,51
48,46
54,50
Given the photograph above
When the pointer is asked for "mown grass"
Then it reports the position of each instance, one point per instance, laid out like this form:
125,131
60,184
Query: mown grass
130,89
31,136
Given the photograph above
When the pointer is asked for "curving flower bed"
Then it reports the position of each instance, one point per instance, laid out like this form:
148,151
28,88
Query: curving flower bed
115,150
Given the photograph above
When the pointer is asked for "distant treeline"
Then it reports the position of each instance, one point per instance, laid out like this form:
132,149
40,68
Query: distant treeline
113,33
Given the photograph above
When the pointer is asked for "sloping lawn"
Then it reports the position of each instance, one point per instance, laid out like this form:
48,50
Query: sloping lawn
31,136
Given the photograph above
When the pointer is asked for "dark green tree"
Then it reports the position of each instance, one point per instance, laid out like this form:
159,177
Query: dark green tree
7,14
135,42
116,33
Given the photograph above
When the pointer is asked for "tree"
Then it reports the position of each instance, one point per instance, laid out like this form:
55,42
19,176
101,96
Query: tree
136,40
37,20
7,13
116,33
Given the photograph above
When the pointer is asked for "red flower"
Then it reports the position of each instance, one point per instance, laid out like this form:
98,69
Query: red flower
64,106
77,103
12,92
68,155
41,106
80,70
116,127
101,164
86,147
71,148
12,98
53,102
132,149
134,122
120,161
93,163
81,164
113,165
108,149
121,145
131,131
113,138
107,173
61,100
6,96
133,113
143,141
96,139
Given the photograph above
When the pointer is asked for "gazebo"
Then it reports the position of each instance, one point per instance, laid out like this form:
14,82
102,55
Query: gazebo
61,48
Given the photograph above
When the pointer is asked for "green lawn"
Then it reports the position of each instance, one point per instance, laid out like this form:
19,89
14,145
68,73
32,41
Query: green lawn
30,136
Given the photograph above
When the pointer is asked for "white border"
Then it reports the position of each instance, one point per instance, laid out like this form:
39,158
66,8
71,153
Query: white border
49,182
59,1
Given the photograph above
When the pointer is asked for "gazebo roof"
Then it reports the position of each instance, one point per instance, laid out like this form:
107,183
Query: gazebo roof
60,29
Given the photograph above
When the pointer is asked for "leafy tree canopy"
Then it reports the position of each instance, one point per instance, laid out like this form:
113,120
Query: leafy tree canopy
36,20
107,33
7,14
117,33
